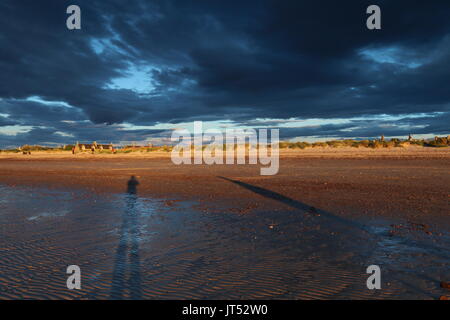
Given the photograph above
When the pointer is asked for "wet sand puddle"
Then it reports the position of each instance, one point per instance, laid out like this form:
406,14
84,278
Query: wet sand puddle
130,247
411,259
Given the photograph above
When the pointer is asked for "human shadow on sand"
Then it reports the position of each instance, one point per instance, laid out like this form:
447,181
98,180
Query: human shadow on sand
126,274
332,218
296,204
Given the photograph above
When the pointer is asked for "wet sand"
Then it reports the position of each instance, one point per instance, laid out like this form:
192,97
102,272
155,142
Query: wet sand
408,183
213,232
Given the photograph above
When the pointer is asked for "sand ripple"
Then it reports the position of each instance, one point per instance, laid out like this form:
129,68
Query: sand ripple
133,248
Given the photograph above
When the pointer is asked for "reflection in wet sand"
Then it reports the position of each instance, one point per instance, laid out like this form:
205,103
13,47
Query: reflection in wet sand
131,247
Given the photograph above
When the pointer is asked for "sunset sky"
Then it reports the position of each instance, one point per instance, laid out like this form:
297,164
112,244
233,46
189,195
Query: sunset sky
138,69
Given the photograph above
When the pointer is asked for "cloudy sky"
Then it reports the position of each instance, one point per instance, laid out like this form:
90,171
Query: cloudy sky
138,69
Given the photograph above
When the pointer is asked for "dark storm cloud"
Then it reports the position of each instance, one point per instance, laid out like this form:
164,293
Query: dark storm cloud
437,124
6,122
69,133
221,60
31,113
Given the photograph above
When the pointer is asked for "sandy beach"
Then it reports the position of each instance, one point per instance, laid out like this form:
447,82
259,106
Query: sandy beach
213,232
396,182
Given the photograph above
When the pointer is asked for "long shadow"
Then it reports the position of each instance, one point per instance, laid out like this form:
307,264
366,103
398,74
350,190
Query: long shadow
127,254
331,217
296,204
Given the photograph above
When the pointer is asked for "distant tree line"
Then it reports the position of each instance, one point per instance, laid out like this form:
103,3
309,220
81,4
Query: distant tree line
437,142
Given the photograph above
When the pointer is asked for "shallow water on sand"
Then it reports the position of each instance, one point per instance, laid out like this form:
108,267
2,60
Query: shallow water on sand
132,247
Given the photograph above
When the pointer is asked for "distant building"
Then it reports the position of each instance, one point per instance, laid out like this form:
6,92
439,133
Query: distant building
81,147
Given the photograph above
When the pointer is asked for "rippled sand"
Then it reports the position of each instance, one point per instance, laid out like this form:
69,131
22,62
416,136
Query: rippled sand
133,247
